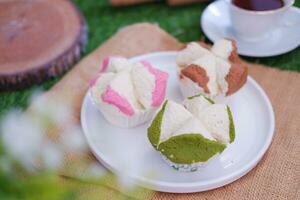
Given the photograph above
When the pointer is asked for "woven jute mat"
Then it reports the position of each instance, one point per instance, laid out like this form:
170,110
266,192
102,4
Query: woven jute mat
277,176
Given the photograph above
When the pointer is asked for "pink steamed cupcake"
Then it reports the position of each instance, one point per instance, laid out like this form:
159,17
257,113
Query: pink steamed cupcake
128,93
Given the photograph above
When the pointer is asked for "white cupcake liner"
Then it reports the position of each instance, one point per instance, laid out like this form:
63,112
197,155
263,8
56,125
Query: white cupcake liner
188,167
124,121
114,116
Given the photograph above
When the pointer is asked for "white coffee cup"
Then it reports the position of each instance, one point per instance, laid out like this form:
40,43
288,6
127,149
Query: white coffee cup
255,25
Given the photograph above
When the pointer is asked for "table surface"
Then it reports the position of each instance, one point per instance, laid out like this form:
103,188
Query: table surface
103,21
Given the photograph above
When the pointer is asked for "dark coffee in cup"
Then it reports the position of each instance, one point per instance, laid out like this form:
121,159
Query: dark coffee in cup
259,5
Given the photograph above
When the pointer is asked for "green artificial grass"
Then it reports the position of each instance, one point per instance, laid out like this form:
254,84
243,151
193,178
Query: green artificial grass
103,20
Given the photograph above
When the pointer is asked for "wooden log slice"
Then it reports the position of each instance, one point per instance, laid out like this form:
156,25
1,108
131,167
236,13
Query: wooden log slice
128,2
183,2
39,39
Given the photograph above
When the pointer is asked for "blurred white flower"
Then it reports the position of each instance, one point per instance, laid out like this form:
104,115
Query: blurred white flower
126,182
22,138
73,141
25,137
129,170
54,110
95,170
52,156
35,94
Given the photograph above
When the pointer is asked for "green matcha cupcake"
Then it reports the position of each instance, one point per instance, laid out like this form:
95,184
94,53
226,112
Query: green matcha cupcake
217,118
183,140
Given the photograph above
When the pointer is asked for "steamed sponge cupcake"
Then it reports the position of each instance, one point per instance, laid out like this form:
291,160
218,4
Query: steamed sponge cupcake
217,118
128,93
213,72
150,84
225,49
192,52
184,139
115,64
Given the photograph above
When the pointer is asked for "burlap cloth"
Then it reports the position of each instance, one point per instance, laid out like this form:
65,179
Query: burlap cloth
277,176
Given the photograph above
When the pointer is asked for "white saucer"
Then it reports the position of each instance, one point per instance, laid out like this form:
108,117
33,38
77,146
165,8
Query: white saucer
128,151
215,23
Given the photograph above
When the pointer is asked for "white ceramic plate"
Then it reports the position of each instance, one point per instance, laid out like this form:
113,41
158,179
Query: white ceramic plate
128,151
215,23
